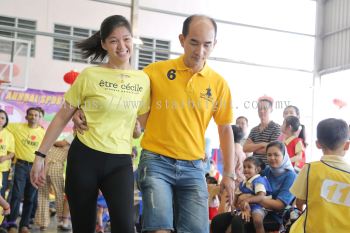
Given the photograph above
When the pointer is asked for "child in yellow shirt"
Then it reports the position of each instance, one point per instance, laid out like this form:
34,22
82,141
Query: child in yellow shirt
324,185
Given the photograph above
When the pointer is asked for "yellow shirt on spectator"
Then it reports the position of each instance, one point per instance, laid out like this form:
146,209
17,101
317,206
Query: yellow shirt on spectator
182,105
27,140
7,145
111,100
1,209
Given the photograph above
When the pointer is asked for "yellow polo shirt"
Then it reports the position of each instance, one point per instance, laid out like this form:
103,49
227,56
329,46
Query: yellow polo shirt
27,140
111,100
182,105
7,145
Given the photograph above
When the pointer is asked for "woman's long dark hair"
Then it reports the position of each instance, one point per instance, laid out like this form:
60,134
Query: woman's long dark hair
92,45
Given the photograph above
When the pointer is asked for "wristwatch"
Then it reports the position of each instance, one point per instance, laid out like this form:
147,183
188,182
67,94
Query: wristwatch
231,175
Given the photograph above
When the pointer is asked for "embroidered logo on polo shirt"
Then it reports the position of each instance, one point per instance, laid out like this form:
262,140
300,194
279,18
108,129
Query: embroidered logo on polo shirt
206,94
171,74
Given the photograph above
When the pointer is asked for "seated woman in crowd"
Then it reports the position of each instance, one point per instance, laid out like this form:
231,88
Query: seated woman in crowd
280,173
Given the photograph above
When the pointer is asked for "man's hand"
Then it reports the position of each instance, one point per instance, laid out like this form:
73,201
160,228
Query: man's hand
228,184
2,159
38,172
137,130
79,120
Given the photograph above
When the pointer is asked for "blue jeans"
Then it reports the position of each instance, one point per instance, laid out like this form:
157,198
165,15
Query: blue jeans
21,188
5,182
173,192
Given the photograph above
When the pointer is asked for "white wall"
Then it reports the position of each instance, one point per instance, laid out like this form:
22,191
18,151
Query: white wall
44,72
234,42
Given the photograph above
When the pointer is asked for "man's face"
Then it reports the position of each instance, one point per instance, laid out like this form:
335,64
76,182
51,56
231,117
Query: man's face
199,43
264,110
33,117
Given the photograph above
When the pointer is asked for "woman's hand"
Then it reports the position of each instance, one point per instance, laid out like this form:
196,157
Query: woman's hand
79,120
38,172
242,198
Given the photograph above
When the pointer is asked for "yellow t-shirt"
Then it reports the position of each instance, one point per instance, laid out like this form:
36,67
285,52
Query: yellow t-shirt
299,187
328,200
1,209
27,140
111,100
7,145
182,105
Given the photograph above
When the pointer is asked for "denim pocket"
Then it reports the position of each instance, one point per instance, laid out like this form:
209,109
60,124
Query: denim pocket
198,164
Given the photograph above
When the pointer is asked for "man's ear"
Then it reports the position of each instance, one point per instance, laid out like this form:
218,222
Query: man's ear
182,39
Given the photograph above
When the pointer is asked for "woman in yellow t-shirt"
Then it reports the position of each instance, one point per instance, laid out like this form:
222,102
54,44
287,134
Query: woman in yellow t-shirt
112,96
7,149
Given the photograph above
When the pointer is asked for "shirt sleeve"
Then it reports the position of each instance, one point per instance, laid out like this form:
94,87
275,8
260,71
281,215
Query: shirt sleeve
223,113
299,147
299,187
259,187
284,194
75,95
276,133
12,127
252,134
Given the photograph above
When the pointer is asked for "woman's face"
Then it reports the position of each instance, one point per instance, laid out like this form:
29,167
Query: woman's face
290,111
119,45
2,119
274,157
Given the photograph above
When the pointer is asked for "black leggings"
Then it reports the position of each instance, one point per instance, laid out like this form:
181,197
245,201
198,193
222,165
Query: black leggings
88,171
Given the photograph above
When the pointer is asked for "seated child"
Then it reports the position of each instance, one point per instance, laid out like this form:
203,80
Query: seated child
258,188
214,202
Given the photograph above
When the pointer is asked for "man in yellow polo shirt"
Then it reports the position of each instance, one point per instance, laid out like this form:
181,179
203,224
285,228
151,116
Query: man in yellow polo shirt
186,93
324,185
28,137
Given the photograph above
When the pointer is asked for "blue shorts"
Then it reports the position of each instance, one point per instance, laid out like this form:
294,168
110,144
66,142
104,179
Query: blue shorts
258,209
173,192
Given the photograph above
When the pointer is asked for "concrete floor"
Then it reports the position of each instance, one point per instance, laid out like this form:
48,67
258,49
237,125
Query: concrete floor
51,229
